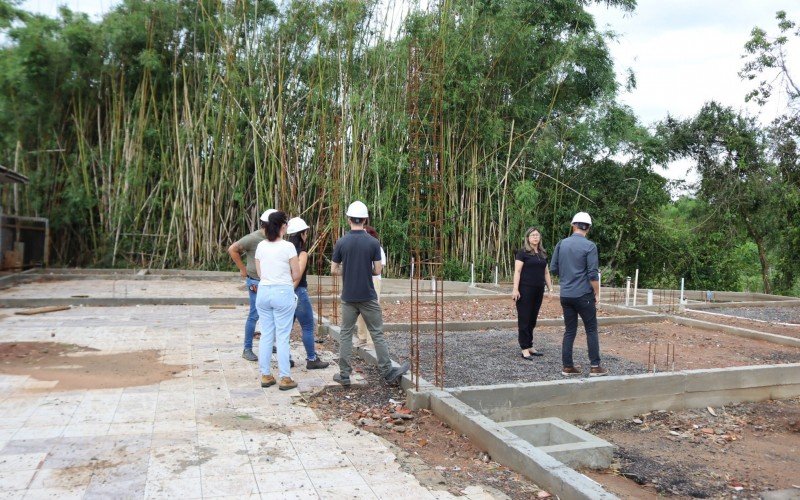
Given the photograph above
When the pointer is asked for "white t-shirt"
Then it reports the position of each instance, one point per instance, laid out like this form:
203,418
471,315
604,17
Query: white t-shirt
273,256
383,262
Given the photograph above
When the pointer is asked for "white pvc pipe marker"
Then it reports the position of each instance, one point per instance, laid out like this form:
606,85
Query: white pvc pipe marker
635,287
627,290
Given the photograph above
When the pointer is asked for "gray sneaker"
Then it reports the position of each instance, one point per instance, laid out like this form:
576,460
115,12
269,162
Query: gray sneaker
317,364
249,355
393,377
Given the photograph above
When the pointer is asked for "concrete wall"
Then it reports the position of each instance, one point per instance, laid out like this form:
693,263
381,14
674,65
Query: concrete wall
626,396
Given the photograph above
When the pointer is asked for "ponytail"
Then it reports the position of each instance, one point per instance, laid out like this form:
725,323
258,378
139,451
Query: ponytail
273,227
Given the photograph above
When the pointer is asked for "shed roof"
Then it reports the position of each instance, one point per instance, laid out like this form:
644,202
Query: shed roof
8,176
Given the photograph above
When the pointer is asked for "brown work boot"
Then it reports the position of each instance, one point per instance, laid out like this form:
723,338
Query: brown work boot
597,371
571,371
267,380
286,383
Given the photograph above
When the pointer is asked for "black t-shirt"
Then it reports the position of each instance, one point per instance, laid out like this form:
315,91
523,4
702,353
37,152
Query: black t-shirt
533,266
303,281
356,251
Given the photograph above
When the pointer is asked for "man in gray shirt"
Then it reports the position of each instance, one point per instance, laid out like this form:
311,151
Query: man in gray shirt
357,257
576,262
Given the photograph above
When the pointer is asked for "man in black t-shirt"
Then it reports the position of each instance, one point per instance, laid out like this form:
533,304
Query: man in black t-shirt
357,257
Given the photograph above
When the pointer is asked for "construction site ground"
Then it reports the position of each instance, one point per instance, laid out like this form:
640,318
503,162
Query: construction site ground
737,451
156,402
486,357
438,456
468,309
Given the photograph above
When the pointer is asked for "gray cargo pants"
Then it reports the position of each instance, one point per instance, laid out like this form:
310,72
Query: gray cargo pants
373,317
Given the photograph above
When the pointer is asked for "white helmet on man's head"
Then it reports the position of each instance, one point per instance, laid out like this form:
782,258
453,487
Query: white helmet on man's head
265,216
357,210
296,224
582,217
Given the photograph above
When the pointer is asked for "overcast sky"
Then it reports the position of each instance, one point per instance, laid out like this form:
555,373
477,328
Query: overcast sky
687,52
683,52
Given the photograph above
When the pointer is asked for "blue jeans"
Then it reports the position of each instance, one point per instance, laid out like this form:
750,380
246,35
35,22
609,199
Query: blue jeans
275,304
252,316
304,314
584,307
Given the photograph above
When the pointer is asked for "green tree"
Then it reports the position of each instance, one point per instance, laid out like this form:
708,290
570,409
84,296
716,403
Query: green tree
730,154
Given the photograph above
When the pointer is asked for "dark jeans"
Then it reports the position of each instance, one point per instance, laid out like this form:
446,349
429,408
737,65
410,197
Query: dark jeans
584,307
528,305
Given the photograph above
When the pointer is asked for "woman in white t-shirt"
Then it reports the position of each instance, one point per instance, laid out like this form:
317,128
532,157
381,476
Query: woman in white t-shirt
277,265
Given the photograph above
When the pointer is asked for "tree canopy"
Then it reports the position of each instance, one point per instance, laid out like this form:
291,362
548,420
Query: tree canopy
156,135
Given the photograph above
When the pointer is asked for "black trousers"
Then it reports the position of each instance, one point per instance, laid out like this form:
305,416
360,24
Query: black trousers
528,305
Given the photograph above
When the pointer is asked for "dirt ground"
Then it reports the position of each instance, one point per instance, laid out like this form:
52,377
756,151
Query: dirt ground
737,451
440,457
75,367
483,309
493,356
761,326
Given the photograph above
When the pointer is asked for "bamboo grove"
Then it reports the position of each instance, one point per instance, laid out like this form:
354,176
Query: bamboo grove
156,135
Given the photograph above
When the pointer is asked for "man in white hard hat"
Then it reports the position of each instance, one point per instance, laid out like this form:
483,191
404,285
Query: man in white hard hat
576,262
247,246
357,258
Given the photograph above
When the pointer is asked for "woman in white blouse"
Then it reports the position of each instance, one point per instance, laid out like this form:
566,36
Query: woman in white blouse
277,265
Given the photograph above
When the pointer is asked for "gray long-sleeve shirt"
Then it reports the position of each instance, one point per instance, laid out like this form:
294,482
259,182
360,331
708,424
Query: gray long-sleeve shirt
575,261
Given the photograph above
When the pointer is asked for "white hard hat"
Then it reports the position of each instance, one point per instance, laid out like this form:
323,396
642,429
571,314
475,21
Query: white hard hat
265,216
582,217
296,224
357,210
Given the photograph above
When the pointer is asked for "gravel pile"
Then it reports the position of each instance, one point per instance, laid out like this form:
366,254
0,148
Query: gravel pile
773,314
493,357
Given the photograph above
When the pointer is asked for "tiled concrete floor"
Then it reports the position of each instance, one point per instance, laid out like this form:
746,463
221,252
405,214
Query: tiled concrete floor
210,431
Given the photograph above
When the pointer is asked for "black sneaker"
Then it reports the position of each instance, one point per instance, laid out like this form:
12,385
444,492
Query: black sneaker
393,377
317,364
249,355
345,381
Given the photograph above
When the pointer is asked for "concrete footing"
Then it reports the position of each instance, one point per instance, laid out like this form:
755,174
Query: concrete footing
564,442
625,396
735,330
515,452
